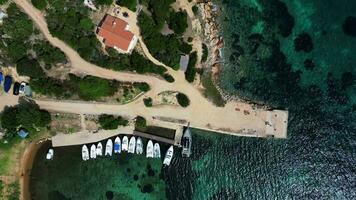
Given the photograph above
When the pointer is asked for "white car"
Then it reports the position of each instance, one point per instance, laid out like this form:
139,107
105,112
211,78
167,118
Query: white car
22,87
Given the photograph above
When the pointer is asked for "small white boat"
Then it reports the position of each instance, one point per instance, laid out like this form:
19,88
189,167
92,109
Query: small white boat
85,153
93,151
125,143
139,146
50,154
149,149
117,145
108,148
156,151
99,149
168,158
132,144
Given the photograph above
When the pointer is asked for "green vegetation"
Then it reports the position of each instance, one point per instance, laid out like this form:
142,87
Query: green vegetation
195,10
205,53
130,4
211,92
28,55
3,1
142,86
103,2
26,115
191,71
168,78
147,102
39,4
14,191
183,100
74,26
140,123
167,48
177,22
109,122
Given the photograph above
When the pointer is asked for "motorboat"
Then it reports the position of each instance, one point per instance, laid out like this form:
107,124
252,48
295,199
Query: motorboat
139,146
169,155
108,148
132,145
85,153
50,154
117,145
187,143
125,143
99,149
149,149
93,151
156,151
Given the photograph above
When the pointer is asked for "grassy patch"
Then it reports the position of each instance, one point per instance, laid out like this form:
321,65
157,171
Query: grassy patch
211,92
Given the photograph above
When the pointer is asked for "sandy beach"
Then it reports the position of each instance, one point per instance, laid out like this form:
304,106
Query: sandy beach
26,167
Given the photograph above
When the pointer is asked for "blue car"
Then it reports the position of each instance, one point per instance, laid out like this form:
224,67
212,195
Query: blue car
0,77
7,83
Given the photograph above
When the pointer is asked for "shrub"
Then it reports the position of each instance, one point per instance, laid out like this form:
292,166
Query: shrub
168,78
140,123
144,87
191,71
108,122
205,53
30,68
177,22
130,4
39,4
183,100
147,102
195,9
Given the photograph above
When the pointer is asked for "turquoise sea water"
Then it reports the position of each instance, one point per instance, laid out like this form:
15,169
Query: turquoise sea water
317,161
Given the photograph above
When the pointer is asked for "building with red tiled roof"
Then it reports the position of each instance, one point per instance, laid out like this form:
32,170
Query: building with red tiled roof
115,33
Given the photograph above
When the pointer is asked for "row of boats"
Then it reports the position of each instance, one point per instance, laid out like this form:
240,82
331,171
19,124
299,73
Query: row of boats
134,145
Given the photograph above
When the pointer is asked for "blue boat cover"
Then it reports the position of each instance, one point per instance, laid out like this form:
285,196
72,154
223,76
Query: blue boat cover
116,146
0,77
7,83
22,133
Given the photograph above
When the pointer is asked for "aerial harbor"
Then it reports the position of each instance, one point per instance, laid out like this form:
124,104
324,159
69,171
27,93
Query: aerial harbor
177,99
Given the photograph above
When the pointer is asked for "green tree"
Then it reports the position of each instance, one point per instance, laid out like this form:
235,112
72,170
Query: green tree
147,102
183,100
140,123
39,4
86,24
29,67
108,122
178,22
191,71
144,87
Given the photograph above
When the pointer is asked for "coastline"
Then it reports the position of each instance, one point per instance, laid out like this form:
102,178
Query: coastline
25,168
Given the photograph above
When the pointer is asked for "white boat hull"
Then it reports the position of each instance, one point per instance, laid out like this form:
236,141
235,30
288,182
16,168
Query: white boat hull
149,149
139,146
99,149
168,158
156,151
93,151
108,148
132,145
85,153
125,143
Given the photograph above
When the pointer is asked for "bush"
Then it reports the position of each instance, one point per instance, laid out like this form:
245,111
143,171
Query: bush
183,100
130,4
178,22
109,122
205,53
144,87
191,71
195,9
30,68
147,102
39,4
168,78
140,123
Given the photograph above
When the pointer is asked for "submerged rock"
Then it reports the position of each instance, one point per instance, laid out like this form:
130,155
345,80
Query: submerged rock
135,177
151,172
349,26
303,42
109,195
309,64
148,188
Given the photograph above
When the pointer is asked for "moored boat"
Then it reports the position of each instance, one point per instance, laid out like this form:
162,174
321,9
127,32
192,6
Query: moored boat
85,153
99,149
187,143
156,151
125,143
149,149
108,148
93,151
50,154
132,145
169,155
117,145
139,146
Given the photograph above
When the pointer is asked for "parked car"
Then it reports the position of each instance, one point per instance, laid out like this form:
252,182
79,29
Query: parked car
7,83
22,87
16,88
0,77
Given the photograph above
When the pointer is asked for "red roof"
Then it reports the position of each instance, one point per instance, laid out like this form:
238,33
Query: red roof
113,31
